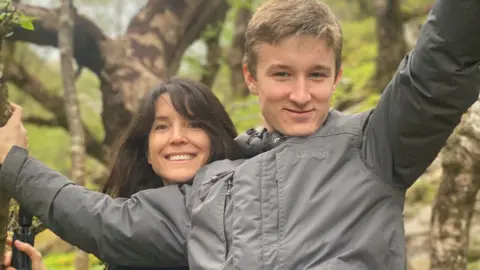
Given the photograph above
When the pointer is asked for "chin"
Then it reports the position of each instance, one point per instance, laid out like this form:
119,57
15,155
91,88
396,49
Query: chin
180,179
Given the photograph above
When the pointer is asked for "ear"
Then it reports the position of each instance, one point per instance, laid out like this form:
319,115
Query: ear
250,80
337,79
148,158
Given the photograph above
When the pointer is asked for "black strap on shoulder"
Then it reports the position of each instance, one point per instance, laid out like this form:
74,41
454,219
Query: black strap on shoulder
253,142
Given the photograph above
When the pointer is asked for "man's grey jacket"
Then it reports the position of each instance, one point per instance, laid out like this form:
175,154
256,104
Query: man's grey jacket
332,200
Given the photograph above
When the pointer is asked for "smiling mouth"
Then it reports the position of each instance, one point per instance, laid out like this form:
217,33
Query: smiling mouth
299,111
180,157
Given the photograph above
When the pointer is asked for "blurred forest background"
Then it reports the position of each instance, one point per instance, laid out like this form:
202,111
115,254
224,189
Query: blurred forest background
123,47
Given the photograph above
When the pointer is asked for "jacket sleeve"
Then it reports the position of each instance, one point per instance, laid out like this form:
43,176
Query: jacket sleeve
146,230
434,85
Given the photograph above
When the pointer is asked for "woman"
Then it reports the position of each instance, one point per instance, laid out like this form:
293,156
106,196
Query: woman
188,123
173,109
180,127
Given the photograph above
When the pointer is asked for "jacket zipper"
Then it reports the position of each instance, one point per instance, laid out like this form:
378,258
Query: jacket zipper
228,195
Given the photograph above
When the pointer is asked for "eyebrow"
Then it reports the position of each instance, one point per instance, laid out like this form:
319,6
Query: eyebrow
322,67
161,117
314,67
278,66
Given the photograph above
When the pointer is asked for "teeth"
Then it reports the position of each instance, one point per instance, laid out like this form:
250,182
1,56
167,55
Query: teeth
180,157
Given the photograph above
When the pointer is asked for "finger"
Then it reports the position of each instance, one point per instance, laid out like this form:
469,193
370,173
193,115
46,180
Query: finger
15,106
16,114
28,249
9,241
8,258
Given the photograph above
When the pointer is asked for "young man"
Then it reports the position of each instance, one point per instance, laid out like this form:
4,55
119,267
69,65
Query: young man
328,196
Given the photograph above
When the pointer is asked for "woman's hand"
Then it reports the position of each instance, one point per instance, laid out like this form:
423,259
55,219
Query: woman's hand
35,256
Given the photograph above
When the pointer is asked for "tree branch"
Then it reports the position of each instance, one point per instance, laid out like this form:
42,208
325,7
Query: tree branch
184,21
151,50
40,121
214,51
87,35
53,103
129,66
237,52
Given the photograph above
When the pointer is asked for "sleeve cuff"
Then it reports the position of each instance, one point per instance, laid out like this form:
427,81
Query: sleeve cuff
10,168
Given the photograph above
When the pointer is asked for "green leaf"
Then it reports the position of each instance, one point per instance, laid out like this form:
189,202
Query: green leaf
25,22
27,25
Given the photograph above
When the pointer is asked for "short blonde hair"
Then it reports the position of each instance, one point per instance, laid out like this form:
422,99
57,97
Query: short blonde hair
278,19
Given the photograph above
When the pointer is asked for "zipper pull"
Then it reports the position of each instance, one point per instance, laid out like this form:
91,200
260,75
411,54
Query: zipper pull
229,188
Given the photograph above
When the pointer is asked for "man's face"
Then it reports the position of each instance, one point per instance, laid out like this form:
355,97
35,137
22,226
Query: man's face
295,81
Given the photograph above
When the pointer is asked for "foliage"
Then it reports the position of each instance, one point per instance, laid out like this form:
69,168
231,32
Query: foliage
358,61
52,144
474,266
9,16
66,261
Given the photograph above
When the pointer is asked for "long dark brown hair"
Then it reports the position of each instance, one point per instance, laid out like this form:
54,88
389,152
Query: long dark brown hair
131,171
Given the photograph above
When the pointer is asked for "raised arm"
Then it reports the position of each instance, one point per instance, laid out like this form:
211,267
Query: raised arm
146,230
434,85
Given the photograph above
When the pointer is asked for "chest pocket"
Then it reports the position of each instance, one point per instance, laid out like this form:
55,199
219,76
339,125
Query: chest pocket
208,241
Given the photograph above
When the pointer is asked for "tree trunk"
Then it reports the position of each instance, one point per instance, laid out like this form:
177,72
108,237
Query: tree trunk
391,44
214,53
5,113
65,42
214,50
7,205
237,51
365,9
455,200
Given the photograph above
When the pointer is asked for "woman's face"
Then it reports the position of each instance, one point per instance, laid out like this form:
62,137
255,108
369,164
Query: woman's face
177,147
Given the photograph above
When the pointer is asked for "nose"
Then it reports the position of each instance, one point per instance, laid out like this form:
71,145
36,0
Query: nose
178,136
300,95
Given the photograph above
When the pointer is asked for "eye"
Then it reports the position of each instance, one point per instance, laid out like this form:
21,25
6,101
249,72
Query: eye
194,125
160,127
319,75
281,74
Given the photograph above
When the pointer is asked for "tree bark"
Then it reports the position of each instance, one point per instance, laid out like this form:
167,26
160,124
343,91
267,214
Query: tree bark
75,126
129,66
214,54
5,112
237,52
214,50
391,44
455,200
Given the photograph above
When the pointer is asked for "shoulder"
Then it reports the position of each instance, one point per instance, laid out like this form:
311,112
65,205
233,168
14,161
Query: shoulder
339,122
